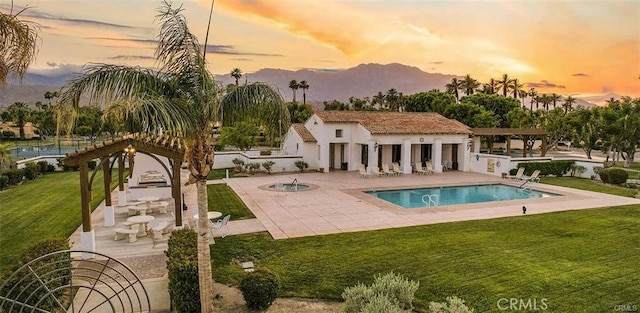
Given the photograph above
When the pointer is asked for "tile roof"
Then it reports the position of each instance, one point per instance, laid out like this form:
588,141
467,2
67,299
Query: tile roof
303,132
397,122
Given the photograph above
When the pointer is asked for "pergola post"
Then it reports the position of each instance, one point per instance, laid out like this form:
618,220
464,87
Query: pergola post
508,145
87,237
524,143
109,212
122,194
176,191
544,145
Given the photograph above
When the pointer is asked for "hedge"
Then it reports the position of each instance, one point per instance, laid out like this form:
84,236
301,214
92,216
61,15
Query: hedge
31,171
4,182
15,176
182,263
614,176
28,289
556,168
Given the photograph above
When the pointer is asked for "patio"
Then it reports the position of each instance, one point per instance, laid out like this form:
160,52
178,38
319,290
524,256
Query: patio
338,204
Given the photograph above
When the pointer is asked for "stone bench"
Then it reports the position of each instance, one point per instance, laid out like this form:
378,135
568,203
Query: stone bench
161,206
159,229
121,231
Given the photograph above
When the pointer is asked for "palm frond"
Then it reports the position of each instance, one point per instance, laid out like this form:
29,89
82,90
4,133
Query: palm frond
178,49
258,102
18,45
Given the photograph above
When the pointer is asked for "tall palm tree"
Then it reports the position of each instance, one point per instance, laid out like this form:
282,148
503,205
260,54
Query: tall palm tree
533,94
293,84
18,45
554,98
304,86
505,84
453,88
469,85
516,87
522,94
236,73
179,97
568,104
379,99
491,86
19,112
393,99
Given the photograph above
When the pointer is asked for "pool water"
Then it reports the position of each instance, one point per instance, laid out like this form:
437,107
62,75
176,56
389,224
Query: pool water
419,197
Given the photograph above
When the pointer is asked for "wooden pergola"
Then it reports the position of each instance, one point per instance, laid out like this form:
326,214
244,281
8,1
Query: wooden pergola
508,132
114,150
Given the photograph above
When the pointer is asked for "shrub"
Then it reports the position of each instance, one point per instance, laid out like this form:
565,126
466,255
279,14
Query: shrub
31,171
239,164
556,168
4,182
388,293
44,166
613,175
268,165
577,169
51,168
265,152
453,305
259,289
252,167
182,264
301,165
28,289
15,176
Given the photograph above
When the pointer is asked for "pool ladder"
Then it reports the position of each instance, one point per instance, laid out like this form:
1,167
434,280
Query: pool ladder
433,200
294,184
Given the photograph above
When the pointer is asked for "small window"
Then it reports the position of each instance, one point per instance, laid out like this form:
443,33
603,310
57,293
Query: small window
338,133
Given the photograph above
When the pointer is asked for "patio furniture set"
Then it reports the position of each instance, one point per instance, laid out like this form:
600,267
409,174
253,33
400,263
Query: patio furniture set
143,224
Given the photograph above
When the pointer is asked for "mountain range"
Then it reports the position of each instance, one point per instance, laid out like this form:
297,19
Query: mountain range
364,80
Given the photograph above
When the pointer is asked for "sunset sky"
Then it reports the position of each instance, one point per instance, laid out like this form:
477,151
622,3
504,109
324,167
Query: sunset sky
561,46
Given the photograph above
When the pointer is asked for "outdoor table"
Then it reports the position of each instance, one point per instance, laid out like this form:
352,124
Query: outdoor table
141,208
143,221
148,200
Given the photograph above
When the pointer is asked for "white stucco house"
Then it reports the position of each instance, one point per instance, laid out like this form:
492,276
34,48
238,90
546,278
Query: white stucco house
342,140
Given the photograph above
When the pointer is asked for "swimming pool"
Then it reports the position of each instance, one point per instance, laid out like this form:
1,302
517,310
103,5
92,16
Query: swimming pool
425,197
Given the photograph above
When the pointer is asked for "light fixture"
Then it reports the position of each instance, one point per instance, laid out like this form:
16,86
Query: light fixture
375,146
469,145
130,149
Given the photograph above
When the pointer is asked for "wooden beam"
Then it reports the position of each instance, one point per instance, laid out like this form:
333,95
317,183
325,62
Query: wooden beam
176,190
84,197
120,172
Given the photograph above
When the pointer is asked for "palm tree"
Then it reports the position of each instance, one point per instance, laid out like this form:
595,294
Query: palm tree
379,99
5,156
491,87
453,88
50,95
293,84
533,94
179,97
393,99
18,46
568,104
522,94
515,87
554,99
19,112
236,73
469,85
304,86
505,84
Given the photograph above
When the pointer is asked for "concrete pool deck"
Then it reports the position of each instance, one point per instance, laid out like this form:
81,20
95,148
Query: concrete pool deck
338,204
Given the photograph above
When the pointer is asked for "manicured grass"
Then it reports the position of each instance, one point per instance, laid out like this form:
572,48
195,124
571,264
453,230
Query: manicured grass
224,200
47,207
580,261
586,184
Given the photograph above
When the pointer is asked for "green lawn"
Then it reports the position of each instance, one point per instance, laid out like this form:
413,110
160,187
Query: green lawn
587,184
580,261
48,207
224,200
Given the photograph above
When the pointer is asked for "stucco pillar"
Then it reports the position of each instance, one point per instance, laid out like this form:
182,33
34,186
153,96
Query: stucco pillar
406,156
464,153
88,243
437,155
373,155
476,144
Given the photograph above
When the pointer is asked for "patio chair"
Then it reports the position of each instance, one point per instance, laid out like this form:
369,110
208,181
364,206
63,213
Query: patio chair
518,175
533,177
220,224
396,168
418,169
430,170
375,171
362,172
386,170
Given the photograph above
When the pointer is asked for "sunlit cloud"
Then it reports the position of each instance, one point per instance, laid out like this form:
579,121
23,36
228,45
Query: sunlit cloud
544,84
131,57
580,75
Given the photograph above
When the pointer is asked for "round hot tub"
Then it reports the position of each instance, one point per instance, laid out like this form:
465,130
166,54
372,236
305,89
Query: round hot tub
288,187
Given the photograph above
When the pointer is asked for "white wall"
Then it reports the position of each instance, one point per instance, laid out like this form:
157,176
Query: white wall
284,163
51,159
478,162
507,163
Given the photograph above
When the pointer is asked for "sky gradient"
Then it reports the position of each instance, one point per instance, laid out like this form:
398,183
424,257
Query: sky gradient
561,46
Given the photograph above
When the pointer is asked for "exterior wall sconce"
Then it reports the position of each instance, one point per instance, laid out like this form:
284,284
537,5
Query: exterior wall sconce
469,146
130,149
375,146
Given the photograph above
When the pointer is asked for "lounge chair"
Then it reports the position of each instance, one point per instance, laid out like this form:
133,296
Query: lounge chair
430,169
386,170
518,175
362,172
396,168
220,224
375,171
531,180
418,169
